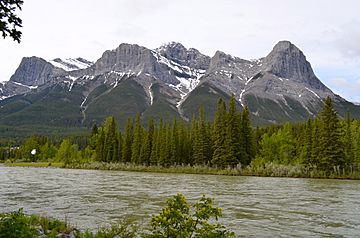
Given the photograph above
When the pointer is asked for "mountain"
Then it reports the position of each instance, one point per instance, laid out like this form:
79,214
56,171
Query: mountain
169,81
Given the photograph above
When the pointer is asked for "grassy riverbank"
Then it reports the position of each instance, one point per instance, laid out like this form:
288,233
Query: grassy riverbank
35,164
267,170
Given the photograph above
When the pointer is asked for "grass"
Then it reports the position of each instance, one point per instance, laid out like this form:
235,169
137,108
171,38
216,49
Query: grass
17,224
35,164
266,170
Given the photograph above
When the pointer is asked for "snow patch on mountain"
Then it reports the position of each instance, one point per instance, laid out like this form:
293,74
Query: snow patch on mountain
151,95
71,64
313,93
182,69
23,85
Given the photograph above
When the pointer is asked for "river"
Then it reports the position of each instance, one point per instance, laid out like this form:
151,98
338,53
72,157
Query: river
252,206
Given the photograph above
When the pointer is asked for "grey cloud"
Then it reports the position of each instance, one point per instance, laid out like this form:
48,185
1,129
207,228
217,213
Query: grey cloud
348,38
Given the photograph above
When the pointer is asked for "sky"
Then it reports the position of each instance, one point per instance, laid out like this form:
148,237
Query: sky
328,32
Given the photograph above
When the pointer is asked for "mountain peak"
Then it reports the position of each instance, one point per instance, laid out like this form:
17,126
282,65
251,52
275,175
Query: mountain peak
171,45
288,61
180,54
285,45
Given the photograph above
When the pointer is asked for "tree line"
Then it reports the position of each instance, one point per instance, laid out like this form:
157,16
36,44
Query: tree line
326,142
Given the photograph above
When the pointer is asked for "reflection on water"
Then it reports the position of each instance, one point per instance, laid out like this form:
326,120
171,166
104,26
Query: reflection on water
251,206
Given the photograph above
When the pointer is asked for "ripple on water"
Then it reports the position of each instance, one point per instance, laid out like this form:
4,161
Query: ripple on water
252,206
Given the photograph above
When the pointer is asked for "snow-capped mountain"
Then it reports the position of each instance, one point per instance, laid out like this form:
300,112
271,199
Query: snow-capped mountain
168,81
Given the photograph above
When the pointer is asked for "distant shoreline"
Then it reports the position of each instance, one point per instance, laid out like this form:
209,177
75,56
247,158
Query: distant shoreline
270,170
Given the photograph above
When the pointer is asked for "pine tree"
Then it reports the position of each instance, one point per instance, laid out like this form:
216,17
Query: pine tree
184,144
246,136
356,143
94,129
137,141
331,152
146,148
175,149
111,140
100,143
201,140
232,141
306,148
219,135
155,148
119,147
348,142
165,149
128,139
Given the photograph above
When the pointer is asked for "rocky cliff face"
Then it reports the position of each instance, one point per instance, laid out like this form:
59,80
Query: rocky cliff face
287,61
166,82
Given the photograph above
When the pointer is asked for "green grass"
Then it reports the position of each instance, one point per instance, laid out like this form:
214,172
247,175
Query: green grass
265,170
18,224
35,164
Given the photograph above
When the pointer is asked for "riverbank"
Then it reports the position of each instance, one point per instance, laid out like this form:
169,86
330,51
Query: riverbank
267,170
19,224
35,164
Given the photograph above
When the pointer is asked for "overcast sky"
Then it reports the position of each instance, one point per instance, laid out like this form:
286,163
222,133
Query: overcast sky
328,32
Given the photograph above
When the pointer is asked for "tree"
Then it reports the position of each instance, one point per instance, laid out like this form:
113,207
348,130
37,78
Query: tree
331,152
306,150
30,149
233,150
278,147
174,144
111,140
202,148
183,220
137,141
246,136
67,152
219,134
348,142
147,143
127,143
9,21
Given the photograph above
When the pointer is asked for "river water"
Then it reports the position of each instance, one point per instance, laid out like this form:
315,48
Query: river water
252,206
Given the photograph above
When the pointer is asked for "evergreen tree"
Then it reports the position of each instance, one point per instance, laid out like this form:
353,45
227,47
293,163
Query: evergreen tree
175,148
155,151
100,143
331,152
348,142
201,140
111,140
137,141
233,151
185,145
165,148
119,147
146,148
306,155
219,135
356,143
127,143
246,136
94,129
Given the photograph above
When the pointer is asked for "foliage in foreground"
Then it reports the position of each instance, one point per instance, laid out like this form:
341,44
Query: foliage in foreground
178,219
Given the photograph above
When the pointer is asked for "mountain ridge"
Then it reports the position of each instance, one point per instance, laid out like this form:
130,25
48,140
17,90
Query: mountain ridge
169,81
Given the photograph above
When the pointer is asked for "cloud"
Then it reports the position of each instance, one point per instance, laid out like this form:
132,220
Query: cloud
348,88
348,38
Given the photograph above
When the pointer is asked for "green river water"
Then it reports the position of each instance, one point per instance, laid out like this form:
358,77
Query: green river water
252,206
